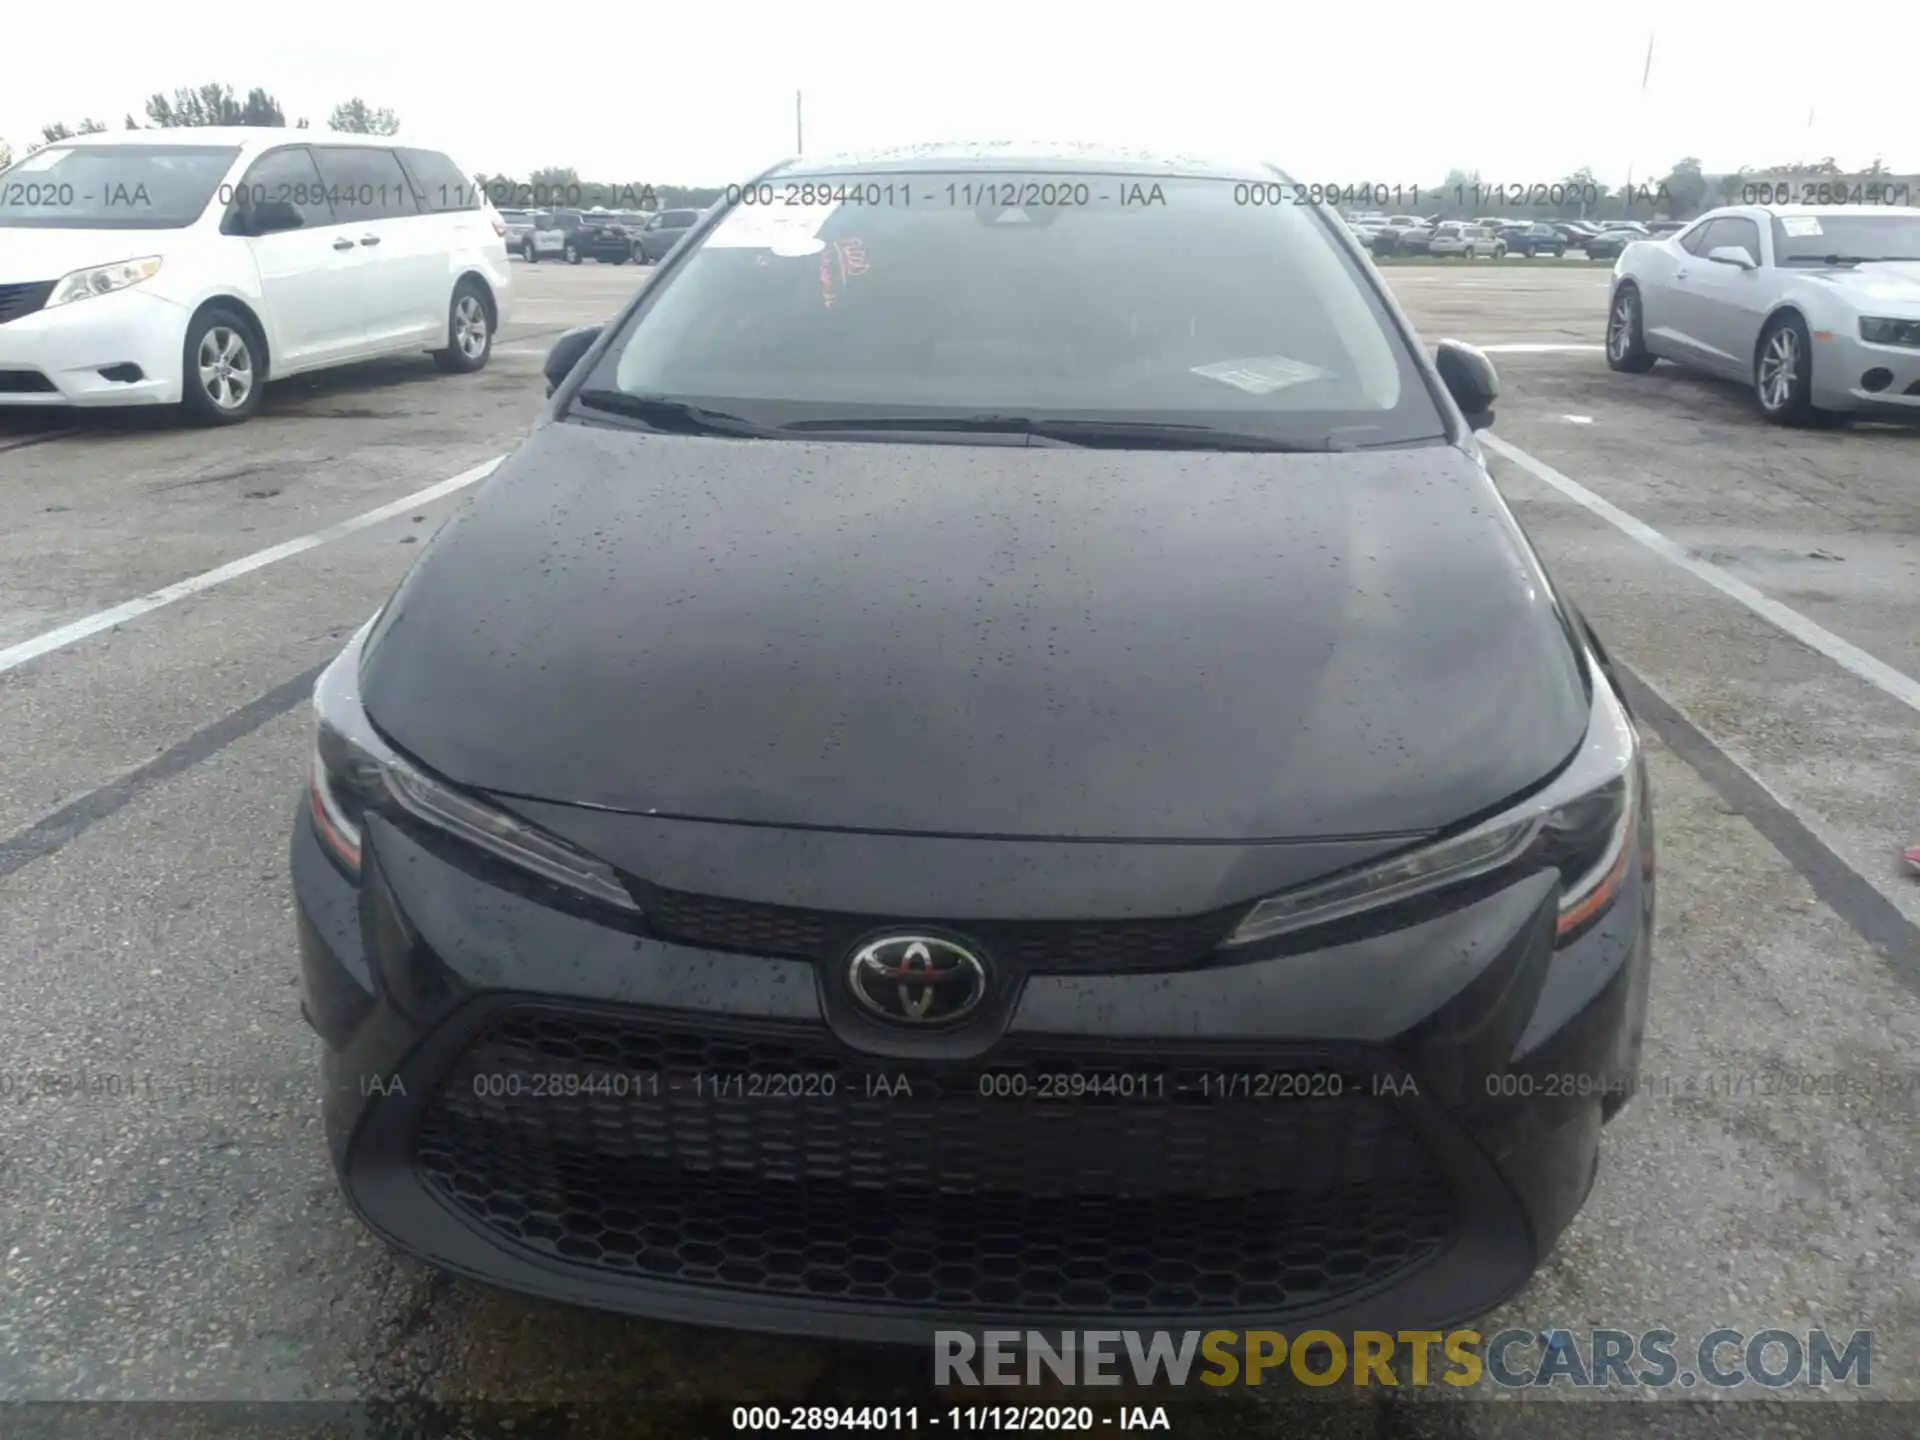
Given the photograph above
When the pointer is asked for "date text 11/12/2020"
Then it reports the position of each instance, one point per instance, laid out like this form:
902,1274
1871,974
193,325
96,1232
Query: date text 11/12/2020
1112,190
1553,195
1190,1087
1059,193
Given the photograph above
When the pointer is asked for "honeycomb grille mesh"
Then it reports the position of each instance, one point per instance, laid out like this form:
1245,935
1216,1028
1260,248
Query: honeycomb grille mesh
638,1151
1039,945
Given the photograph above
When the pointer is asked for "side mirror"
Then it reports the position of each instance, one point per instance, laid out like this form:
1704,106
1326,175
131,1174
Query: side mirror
1470,378
566,353
1731,255
270,217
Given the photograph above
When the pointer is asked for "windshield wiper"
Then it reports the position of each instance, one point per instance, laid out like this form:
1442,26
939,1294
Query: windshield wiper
679,417
1108,434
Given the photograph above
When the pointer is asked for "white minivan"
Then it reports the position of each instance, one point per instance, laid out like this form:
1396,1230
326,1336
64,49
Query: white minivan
188,267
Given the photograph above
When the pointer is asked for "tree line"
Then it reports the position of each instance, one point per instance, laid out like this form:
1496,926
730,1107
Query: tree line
216,104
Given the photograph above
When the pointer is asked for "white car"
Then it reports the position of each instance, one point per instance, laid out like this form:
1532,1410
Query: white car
1468,241
188,267
1816,307
519,225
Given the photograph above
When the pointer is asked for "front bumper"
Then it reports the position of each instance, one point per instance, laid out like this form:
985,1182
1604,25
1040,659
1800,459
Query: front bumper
525,1097
56,357
1843,362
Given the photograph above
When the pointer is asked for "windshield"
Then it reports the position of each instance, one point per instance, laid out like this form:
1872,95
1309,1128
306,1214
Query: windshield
1865,236
113,187
1150,298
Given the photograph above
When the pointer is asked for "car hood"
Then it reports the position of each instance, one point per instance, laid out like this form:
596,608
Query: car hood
32,255
983,639
1897,285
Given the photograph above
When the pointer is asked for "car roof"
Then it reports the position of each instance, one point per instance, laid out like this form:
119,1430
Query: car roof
1825,212
247,137
1051,156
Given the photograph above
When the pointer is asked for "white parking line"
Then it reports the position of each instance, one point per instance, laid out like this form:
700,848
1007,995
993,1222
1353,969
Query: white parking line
1531,349
1847,656
17,655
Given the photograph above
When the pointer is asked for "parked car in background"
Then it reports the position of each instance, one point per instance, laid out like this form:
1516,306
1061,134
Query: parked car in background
548,235
627,221
1575,232
1608,244
1629,225
661,233
1532,240
519,225
1469,242
249,255
575,236
1415,240
1666,227
1743,291
1403,235
1388,230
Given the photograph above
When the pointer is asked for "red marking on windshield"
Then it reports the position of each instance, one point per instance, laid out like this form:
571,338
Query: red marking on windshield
839,262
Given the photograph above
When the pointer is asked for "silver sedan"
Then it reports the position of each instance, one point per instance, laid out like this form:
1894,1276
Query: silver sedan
1816,307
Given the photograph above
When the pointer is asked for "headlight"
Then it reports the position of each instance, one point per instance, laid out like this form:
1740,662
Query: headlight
102,280
1582,824
355,771
1877,330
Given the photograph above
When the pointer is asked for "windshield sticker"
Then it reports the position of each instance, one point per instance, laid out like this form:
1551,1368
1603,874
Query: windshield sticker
840,262
40,160
1800,226
1263,374
789,230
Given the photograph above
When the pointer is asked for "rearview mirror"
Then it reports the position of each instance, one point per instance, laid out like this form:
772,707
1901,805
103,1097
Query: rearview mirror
566,353
1471,379
1731,255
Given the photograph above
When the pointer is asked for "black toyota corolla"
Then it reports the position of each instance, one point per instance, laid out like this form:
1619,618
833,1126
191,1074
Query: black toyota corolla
994,758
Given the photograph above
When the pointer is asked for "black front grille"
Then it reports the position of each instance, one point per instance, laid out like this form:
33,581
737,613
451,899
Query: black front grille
1038,945
23,299
647,1152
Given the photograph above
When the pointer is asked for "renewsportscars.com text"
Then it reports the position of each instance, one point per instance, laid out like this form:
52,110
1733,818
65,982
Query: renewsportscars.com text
1511,1359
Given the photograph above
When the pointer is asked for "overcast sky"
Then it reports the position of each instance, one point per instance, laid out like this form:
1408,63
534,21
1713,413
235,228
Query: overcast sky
1363,90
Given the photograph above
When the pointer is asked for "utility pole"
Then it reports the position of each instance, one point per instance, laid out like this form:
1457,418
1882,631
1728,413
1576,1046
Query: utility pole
1640,122
799,134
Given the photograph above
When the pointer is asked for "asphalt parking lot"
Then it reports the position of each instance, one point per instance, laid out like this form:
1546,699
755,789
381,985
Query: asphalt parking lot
169,1229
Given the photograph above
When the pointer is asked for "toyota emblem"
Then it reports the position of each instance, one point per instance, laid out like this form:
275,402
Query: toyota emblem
917,980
